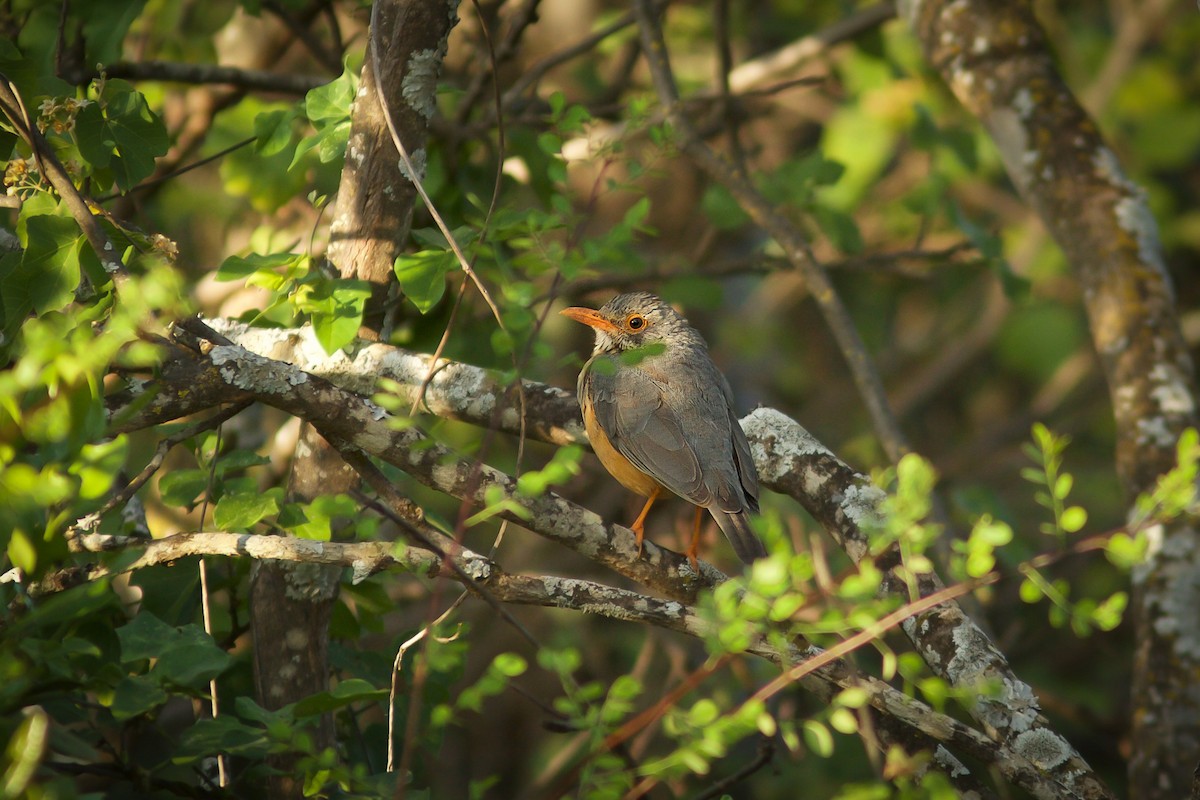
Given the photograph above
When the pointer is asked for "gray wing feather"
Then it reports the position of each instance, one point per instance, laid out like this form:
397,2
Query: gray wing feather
629,407
747,473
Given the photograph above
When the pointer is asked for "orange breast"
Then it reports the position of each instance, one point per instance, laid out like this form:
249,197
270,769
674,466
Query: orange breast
621,468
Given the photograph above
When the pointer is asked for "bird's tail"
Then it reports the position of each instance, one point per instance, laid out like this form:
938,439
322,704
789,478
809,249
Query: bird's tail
736,527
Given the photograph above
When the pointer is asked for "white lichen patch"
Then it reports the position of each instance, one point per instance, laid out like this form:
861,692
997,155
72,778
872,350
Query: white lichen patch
1012,140
1134,217
1176,568
1044,749
861,504
477,568
419,159
949,762
1172,394
1023,103
253,373
1132,211
1005,702
791,442
1156,431
419,85
378,413
445,476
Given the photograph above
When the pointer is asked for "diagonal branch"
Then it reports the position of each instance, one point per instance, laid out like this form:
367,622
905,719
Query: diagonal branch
822,672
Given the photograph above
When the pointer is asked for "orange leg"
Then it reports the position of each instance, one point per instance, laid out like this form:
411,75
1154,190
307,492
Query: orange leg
694,547
639,525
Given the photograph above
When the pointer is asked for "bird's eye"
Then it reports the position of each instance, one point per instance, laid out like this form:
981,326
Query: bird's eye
635,322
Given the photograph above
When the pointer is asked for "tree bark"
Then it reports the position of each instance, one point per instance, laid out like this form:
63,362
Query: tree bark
995,58
292,603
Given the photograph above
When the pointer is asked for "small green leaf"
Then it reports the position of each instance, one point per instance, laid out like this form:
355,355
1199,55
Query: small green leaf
637,355
1030,592
191,660
818,738
1126,551
1073,519
337,311
274,130
422,276
240,267
49,271
123,134
23,755
1108,614
843,720
333,100
226,735
510,664
180,488
136,695
243,509
353,690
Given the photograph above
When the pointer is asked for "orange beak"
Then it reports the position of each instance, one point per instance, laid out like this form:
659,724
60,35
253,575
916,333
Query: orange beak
590,317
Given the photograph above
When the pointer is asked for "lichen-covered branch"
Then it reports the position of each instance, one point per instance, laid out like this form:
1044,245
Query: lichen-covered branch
826,679
789,461
995,58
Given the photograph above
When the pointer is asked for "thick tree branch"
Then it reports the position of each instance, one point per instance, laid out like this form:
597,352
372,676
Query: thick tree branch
997,61
788,458
825,676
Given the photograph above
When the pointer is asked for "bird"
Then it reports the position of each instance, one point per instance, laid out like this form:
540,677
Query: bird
660,417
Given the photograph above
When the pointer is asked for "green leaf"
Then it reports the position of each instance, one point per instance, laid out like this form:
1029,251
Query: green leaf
122,133
239,267
181,488
144,637
337,312
136,695
637,355
24,752
1073,519
97,467
243,509
843,720
1108,614
224,734
274,130
333,100
818,738
190,659
1126,551
349,691
49,272
186,655
422,276
315,520
1030,592
105,26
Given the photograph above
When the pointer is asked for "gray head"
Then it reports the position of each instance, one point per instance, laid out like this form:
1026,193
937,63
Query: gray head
634,320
